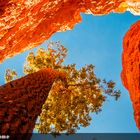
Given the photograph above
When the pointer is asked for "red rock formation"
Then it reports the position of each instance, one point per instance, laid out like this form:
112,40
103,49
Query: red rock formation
25,24
131,67
21,102
133,6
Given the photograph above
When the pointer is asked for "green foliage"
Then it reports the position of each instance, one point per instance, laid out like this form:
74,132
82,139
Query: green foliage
69,103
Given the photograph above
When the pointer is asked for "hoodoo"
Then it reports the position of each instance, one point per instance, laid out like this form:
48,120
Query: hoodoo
131,67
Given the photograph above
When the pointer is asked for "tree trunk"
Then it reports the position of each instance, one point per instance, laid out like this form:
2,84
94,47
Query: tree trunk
21,101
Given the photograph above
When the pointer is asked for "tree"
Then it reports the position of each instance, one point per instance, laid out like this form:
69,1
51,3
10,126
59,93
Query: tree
70,101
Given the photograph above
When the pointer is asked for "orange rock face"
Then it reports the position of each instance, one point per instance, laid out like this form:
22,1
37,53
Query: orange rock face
131,67
25,24
21,102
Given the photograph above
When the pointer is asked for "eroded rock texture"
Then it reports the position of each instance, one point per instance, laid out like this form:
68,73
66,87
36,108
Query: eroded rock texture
133,6
21,101
25,24
131,67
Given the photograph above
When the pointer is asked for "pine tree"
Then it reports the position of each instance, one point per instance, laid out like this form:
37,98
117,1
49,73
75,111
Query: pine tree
70,98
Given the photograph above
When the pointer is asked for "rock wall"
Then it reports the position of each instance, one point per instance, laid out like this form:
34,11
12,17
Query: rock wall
131,67
21,102
25,24
133,6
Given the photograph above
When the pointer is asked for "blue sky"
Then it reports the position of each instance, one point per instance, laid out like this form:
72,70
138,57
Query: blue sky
98,41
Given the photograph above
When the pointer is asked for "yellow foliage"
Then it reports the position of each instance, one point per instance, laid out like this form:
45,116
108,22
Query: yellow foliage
70,102
10,75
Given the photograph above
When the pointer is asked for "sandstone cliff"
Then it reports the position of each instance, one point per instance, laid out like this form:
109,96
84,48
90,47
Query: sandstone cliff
131,67
25,24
